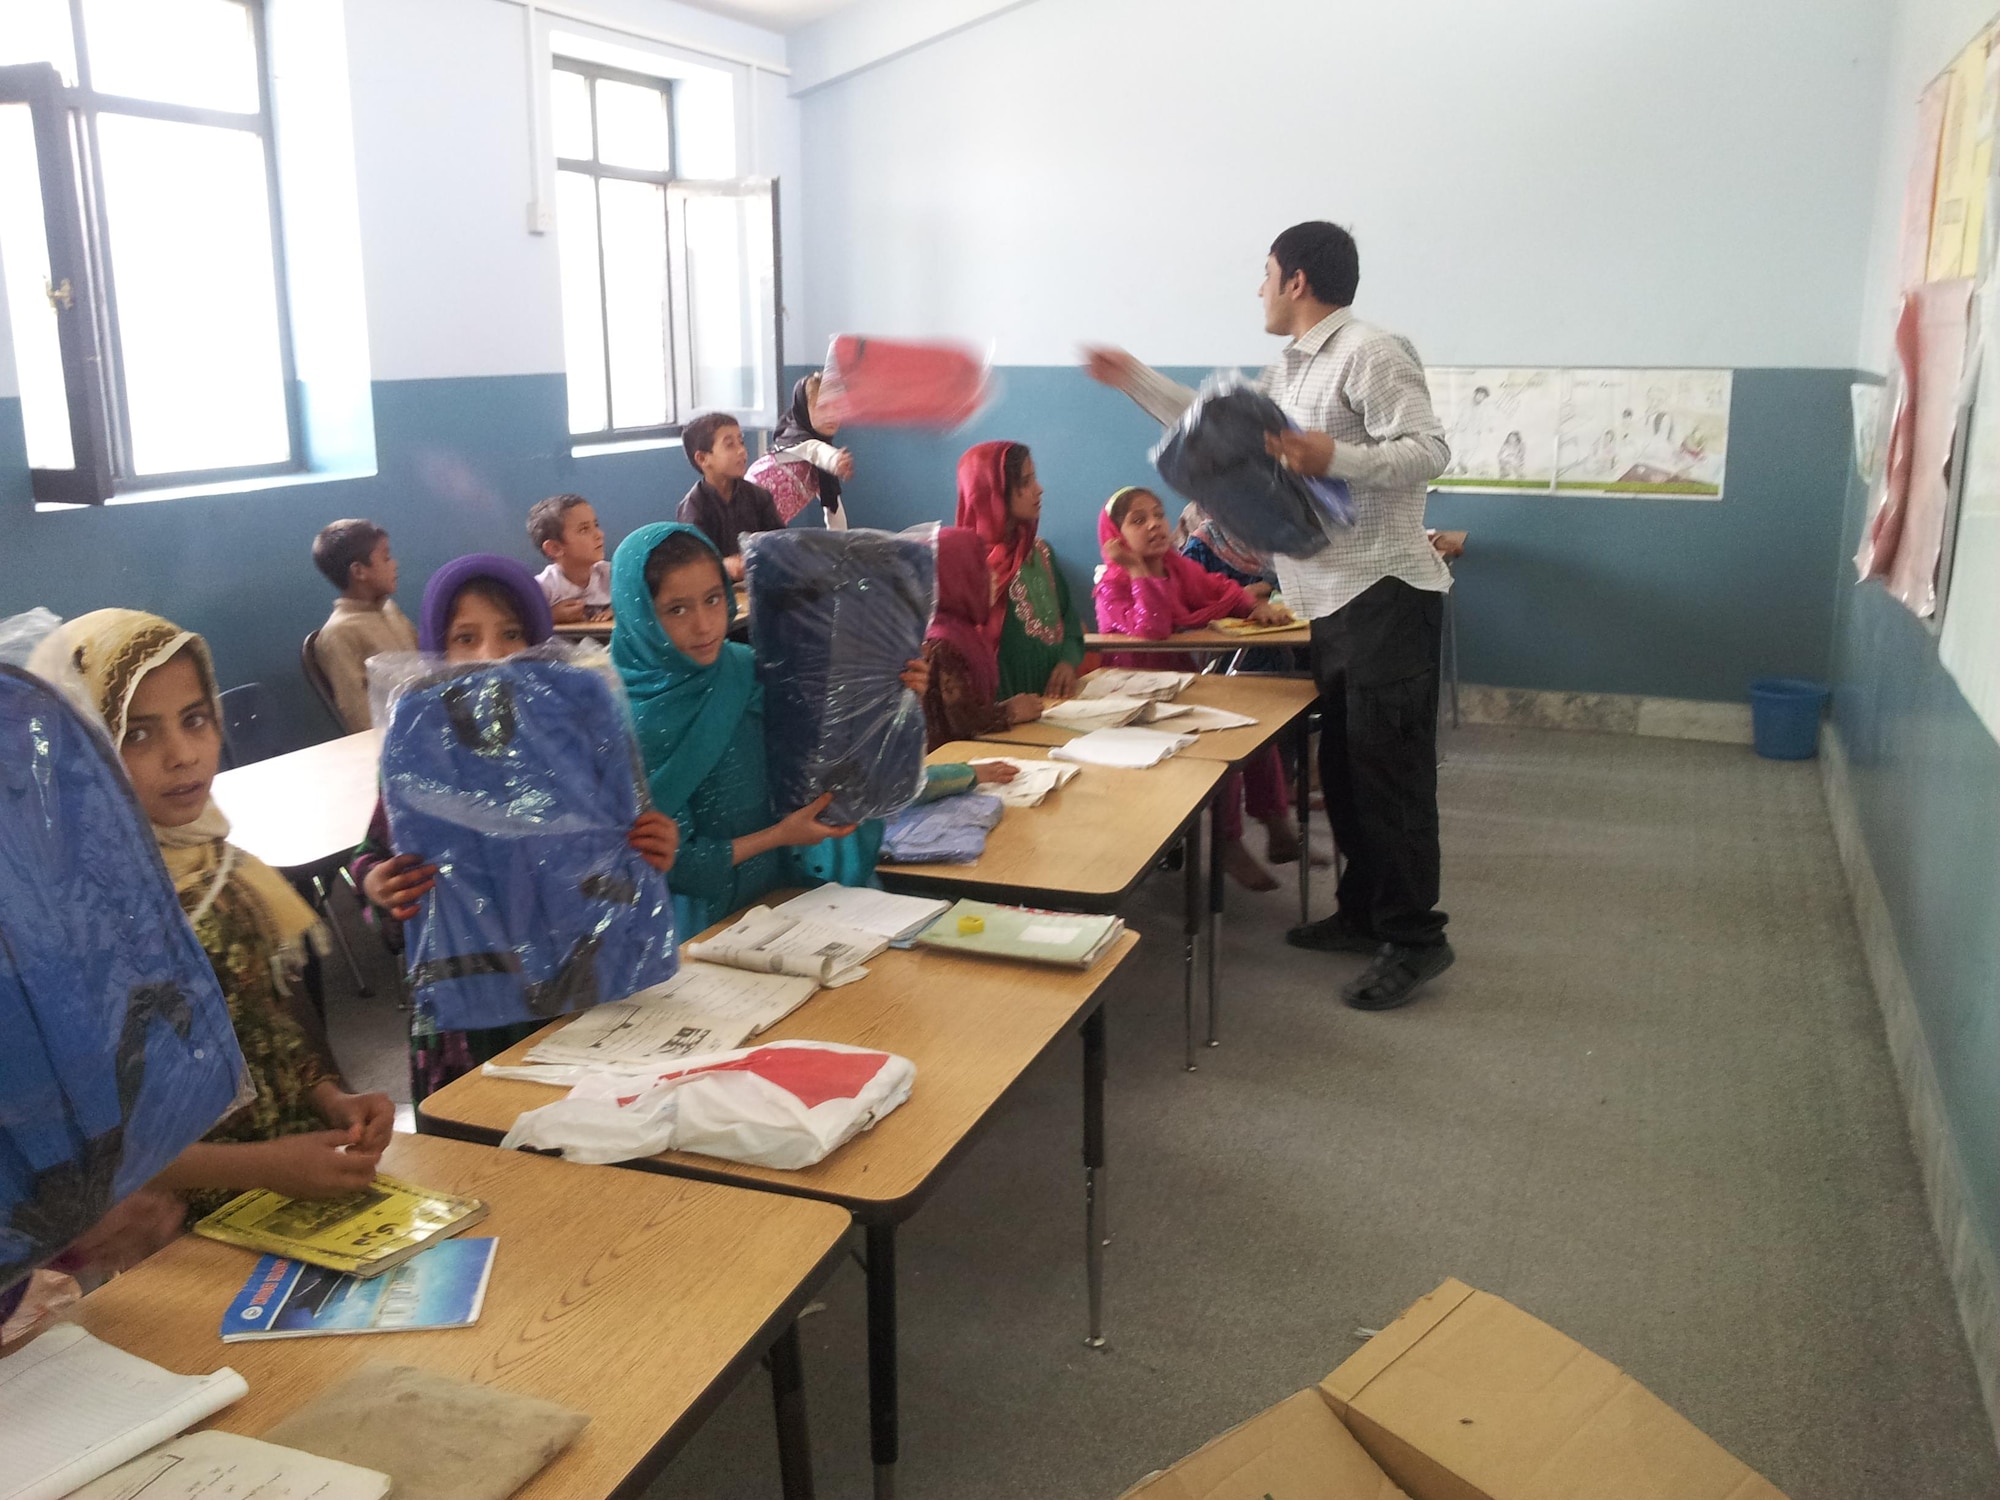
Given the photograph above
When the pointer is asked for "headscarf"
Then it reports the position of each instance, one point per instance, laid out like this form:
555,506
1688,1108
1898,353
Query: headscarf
1199,596
982,507
685,714
796,427
1196,524
964,598
441,593
98,661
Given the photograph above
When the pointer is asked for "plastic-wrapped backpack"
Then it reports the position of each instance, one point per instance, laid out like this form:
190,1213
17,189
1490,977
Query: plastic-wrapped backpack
835,617
1215,456
518,779
116,1049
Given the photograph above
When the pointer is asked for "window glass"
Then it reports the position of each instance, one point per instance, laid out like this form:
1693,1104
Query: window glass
705,126
634,225
38,31
194,52
24,258
583,311
632,127
569,105
729,274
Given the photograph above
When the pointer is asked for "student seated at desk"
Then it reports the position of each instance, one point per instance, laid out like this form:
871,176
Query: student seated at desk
577,581
724,505
354,555
152,685
960,703
476,609
1150,590
1033,623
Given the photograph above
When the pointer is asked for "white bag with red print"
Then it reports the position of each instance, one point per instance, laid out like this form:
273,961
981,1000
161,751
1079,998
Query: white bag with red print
785,1104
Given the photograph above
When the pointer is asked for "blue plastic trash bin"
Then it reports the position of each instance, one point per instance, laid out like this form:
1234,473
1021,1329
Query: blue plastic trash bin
1784,717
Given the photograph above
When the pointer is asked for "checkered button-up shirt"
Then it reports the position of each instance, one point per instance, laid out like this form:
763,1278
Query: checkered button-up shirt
1365,388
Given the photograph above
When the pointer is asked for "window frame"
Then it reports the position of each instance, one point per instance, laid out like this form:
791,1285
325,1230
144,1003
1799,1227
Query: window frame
77,220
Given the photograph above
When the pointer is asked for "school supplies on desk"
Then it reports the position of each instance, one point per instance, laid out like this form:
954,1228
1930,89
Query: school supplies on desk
705,1008
772,942
1132,682
1131,749
949,832
444,1287
1032,783
1204,720
72,1408
363,1234
883,913
1069,940
1251,627
1085,714
210,1465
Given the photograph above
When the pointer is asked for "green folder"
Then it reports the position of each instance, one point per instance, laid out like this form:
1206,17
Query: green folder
1066,939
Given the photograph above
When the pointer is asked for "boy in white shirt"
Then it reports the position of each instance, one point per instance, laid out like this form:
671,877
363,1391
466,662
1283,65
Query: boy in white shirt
577,581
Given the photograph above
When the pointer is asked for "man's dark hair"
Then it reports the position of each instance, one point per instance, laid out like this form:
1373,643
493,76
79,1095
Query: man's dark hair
340,546
698,437
1326,253
677,551
545,517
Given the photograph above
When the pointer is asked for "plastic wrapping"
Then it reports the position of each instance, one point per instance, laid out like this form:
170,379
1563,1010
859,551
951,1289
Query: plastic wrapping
116,1049
897,383
835,618
1214,455
948,832
20,634
520,781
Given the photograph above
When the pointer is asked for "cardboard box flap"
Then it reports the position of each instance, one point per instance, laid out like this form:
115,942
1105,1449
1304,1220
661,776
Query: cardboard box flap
1488,1403
1295,1451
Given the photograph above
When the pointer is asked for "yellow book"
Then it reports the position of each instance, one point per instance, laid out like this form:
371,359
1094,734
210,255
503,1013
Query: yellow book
1245,627
364,1234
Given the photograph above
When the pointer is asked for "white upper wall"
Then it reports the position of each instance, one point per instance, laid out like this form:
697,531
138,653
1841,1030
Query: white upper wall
1683,182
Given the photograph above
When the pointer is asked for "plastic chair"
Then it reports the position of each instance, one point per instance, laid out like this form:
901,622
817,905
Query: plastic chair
316,678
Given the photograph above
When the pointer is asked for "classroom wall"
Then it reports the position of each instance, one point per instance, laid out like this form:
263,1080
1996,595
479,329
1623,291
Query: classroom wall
1532,183
465,358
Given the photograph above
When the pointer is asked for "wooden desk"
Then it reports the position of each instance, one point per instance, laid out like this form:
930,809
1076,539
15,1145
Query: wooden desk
1206,641
585,630
297,810
644,1316
972,1028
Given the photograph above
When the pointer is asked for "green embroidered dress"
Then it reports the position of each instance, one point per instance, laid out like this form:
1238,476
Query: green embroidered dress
1041,627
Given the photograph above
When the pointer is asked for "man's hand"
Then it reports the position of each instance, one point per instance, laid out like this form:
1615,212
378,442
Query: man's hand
397,885
569,612
369,1118
657,837
1301,452
1112,367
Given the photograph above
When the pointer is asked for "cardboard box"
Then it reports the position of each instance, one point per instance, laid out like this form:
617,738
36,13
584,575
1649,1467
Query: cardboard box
1465,1397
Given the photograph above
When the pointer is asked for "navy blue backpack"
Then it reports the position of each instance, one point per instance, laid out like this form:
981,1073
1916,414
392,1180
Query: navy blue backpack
116,1050
519,780
1215,456
835,617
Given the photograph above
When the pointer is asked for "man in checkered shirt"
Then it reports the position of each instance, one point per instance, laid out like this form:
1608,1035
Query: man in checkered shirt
1375,597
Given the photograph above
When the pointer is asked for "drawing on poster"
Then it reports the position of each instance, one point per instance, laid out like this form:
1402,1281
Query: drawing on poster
1603,432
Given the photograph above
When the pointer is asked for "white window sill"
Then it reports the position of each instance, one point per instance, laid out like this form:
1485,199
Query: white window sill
220,487
632,445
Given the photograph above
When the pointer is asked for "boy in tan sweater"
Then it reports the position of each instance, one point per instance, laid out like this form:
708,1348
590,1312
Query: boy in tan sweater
354,555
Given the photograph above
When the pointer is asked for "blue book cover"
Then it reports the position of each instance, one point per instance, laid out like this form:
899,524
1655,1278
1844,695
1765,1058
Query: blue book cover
442,1287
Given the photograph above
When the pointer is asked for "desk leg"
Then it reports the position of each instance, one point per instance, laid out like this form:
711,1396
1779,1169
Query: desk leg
788,1396
882,1411
1215,911
1190,926
1305,817
1096,1224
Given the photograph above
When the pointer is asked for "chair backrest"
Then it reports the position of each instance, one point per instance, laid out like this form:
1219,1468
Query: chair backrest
322,686
249,730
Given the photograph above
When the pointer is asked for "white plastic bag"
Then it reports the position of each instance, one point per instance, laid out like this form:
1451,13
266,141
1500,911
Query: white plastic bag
785,1104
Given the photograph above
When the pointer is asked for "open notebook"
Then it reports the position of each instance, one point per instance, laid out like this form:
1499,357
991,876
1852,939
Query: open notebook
704,1008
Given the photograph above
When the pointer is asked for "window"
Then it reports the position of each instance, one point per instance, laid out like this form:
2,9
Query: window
138,234
669,285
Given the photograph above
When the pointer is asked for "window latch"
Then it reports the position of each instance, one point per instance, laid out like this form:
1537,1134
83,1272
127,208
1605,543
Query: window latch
59,296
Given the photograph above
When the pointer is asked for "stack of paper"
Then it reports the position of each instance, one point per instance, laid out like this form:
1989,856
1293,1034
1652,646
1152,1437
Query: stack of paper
1131,682
880,912
208,1465
1032,786
1134,749
707,1007
1067,939
772,942
1201,719
72,1408
1085,714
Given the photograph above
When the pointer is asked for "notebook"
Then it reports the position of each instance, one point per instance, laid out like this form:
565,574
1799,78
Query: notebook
1094,713
363,1234
773,942
214,1465
1066,939
706,1007
1132,682
73,1408
1202,719
1133,749
1031,787
883,913
290,1299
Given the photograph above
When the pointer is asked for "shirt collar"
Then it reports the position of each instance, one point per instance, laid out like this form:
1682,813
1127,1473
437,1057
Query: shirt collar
1315,338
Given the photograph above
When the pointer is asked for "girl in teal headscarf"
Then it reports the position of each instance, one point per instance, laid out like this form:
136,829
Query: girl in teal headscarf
699,712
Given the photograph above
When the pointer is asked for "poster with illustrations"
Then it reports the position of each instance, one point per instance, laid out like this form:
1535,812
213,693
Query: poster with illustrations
1661,433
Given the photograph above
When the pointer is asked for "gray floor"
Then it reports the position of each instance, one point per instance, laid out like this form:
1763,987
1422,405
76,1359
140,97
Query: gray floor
1652,1105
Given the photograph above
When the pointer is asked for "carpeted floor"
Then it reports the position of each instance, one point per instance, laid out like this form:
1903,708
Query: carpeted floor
1652,1104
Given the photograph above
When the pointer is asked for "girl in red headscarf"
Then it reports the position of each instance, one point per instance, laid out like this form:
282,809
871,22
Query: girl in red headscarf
962,702
1032,624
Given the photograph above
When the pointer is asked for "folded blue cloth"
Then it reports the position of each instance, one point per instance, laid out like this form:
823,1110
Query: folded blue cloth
950,832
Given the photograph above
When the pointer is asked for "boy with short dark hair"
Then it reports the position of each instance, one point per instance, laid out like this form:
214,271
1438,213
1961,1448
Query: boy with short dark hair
724,505
354,555
577,581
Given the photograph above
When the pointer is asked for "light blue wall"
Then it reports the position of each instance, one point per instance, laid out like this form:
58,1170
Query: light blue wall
1678,598
1926,784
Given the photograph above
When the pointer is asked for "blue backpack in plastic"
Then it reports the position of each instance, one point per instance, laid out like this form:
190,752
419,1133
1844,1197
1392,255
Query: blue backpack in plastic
519,780
116,1050
835,617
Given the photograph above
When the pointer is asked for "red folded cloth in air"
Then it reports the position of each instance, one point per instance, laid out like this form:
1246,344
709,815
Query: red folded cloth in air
897,383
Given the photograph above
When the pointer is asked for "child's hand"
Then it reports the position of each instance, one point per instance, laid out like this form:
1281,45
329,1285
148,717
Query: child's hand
657,837
1062,682
367,1118
917,675
314,1166
1022,707
130,1231
1260,590
1268,613
843,466
569,612
397,885
803,828
1121,556
993,772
